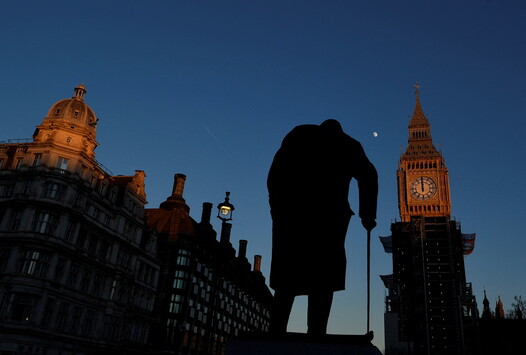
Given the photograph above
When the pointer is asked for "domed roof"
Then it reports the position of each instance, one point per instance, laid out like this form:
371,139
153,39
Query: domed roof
74,110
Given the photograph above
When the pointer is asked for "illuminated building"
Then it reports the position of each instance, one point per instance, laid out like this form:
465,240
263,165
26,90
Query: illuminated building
78,270
207,294
430,308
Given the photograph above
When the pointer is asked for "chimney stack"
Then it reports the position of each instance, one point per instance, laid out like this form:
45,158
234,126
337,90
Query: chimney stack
257,263
242,249
176,200
225,233
178,188
207,212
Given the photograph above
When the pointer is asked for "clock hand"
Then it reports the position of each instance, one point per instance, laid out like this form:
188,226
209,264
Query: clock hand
422,183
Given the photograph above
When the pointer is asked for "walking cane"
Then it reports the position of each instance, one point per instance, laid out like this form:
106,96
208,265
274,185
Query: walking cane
369,333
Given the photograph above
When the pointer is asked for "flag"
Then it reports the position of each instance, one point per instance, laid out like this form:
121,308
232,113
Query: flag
468,243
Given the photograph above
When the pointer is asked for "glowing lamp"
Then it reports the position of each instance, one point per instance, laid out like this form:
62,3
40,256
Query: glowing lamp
225,209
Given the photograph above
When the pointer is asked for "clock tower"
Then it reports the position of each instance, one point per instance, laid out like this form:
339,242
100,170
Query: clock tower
430,308
423,182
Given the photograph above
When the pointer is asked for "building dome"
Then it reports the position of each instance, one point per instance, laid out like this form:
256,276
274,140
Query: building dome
74,111
71,124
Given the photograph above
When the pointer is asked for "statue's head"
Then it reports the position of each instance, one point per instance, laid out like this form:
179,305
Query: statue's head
332,125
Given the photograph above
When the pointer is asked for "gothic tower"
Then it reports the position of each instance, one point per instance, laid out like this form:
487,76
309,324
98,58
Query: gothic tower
430,308
423,181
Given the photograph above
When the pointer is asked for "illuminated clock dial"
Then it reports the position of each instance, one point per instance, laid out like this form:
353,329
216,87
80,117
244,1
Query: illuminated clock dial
423,188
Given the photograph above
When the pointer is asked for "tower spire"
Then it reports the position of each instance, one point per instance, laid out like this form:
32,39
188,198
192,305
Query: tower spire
420,140
418,119
486,311
499,309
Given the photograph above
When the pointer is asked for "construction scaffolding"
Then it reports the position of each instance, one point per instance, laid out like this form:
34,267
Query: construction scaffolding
428,289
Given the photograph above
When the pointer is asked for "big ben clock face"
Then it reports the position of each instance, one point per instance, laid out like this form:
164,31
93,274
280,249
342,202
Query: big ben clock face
423,188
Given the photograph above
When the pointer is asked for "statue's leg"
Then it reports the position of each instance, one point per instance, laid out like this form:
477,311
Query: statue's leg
320,303
281,309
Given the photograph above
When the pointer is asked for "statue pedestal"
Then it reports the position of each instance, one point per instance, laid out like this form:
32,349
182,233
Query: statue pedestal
302,344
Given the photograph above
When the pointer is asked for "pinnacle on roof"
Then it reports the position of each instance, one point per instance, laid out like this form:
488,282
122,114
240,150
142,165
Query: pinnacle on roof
418,119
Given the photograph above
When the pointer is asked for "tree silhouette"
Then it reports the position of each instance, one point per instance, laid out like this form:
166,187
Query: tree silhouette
518,307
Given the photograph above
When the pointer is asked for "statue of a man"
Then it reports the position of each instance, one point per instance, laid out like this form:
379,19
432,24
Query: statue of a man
308,186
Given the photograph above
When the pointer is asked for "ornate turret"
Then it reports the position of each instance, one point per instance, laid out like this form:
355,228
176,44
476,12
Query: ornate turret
80,91
486,311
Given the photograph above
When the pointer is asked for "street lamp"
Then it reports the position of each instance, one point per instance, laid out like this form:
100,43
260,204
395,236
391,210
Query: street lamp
225,209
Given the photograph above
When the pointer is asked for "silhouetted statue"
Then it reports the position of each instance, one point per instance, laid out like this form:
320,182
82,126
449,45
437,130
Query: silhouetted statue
308,186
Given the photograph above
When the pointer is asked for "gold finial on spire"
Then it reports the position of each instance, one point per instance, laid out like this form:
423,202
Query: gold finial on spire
416,86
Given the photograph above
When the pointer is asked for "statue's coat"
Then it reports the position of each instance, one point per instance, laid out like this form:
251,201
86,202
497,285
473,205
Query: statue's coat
308,186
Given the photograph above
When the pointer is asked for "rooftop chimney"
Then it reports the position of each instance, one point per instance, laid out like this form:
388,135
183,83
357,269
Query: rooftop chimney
207,212
176,200
178,188
257,263
225,232
242,249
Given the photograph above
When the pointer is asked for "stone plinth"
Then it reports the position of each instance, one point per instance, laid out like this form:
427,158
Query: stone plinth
302,344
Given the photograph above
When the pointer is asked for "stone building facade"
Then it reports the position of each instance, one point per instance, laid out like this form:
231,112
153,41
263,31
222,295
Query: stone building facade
78,270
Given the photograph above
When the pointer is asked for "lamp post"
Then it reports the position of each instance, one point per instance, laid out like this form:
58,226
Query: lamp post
224,213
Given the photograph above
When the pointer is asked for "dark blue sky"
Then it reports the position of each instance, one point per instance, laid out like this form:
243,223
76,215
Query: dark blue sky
209,89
